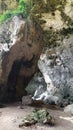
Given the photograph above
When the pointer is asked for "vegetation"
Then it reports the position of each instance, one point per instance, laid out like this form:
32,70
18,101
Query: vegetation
23,8
38,116
48,5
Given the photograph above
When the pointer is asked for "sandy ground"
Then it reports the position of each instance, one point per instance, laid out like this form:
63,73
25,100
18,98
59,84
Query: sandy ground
11,116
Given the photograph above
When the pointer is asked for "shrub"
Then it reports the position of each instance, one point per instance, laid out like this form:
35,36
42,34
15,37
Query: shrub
23,8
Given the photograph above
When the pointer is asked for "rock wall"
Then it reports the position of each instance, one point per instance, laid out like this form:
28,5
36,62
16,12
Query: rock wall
21,45
56,66
56,60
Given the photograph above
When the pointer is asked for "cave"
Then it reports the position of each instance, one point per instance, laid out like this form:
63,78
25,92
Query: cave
13,78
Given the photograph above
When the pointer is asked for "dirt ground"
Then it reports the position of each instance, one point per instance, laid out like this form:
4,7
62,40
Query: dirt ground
11,116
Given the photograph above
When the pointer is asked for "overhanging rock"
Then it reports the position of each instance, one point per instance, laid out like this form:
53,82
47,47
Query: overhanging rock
19,60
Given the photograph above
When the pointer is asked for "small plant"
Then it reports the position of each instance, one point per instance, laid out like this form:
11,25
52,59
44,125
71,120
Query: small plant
38,116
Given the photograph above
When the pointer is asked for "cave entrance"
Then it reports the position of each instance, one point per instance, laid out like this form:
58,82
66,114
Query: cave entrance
16,84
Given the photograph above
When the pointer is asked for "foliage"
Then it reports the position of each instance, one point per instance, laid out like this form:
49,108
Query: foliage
26,6
38,116
48,5
66,31
50,38
23,9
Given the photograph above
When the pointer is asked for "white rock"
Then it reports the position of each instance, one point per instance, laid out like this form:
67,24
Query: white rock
5,47
55,22
69,109
69,8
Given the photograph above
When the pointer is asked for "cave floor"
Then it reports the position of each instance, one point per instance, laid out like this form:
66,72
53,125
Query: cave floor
11,116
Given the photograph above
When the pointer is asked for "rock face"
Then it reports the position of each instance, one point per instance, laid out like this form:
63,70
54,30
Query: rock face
56,62
56,65
20,49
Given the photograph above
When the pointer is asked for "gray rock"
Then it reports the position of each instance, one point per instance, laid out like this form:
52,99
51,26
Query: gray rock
56,66
36,85
26,100
69,109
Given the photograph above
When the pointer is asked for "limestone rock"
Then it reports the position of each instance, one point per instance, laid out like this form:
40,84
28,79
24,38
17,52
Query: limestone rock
56,66
20,45
35,83
69,8
55,21
56,60
69,109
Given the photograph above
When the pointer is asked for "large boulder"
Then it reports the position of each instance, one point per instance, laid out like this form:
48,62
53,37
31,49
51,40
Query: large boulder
56,60
56,65
20,48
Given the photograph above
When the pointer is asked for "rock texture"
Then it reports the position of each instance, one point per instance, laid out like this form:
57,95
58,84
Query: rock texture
56,66
20,45
56,60
21,48
36,82
69,8
69,109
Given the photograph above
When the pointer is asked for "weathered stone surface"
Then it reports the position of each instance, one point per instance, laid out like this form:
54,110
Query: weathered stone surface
69,8
56,65
56,62
69,109
22,47
55,21
20,53
26,100
36,82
